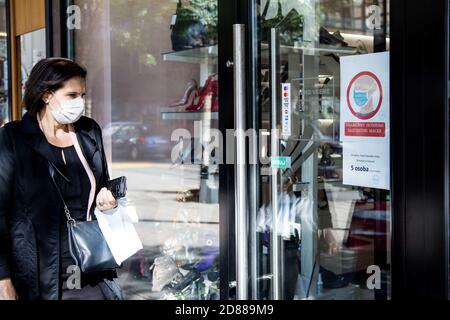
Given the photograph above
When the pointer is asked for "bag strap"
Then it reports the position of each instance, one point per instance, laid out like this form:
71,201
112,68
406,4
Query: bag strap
66,209
70,221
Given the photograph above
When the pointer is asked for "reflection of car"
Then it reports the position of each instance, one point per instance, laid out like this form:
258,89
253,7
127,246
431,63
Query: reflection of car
132,140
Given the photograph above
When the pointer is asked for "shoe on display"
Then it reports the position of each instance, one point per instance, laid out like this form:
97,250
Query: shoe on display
207,96
191,87
361,48
193,95
335,39
180,282
332,280
200,93
337,34
164,271
188,196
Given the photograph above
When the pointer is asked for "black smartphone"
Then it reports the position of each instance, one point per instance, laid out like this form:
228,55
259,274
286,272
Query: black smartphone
118,187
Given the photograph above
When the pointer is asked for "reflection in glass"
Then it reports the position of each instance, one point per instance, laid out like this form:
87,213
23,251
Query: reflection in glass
33,49
331,237
150,74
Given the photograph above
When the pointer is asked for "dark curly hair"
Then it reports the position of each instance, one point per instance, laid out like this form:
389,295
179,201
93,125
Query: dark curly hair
48,75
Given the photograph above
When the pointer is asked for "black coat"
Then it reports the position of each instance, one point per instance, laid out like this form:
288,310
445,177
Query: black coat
30,210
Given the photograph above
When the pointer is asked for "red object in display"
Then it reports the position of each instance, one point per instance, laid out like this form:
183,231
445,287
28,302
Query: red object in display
191,99
215,106
191,86
207,94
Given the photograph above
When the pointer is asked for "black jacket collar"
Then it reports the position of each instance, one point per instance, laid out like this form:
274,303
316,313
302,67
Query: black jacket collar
84,129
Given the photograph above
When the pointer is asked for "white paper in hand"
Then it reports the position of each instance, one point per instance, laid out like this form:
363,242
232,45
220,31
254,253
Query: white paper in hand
119,232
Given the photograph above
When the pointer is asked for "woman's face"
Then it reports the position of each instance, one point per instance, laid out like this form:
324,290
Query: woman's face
67,103
73,89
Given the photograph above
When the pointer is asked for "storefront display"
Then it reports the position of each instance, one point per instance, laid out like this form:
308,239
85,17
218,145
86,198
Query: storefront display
194,24
310,241
148,85
331,169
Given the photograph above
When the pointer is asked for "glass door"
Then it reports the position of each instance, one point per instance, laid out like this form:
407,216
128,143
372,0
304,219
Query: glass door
321,229
153,87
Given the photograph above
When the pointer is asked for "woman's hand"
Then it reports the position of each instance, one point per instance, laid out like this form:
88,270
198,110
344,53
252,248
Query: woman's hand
7,290
105,200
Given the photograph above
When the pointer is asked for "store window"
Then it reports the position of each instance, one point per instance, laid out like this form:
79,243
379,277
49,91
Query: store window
32,49
152,70
323,227
4,95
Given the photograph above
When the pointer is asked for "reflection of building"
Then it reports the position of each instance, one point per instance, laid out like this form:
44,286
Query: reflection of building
307,234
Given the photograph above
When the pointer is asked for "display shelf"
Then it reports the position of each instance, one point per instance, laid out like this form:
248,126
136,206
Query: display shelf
207,60
196,55
184,115
305,46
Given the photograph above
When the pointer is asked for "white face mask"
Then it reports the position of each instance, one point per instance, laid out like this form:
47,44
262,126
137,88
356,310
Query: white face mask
69,111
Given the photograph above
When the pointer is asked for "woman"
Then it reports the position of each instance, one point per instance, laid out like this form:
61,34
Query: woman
35,262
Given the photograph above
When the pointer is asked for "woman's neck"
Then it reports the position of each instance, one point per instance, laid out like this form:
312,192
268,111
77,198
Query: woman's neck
49,124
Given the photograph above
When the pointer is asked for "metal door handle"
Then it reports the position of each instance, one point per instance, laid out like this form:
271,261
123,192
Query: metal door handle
275,92
241,211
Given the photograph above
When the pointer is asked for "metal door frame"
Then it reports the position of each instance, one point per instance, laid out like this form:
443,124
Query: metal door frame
419,149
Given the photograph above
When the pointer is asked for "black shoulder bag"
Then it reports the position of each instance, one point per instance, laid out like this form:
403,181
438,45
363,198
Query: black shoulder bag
87,245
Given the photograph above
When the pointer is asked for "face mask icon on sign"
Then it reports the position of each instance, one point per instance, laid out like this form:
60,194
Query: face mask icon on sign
361,97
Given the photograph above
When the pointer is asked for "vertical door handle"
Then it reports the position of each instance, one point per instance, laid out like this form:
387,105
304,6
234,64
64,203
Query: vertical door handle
275,91
241,211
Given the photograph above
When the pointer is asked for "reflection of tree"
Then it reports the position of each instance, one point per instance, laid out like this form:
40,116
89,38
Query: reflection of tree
132,22
92,19
206,10
131,25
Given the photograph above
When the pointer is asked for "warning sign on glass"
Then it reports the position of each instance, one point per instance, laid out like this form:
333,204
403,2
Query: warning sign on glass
364,97
364,123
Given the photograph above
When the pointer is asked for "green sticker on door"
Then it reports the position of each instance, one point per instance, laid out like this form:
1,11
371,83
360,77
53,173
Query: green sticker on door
281,162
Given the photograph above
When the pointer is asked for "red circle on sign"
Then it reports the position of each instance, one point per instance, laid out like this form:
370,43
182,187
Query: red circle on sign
373,113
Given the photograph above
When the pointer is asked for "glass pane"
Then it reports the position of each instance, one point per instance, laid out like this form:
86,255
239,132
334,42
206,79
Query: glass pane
323,228
33,49
4,98
152,86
